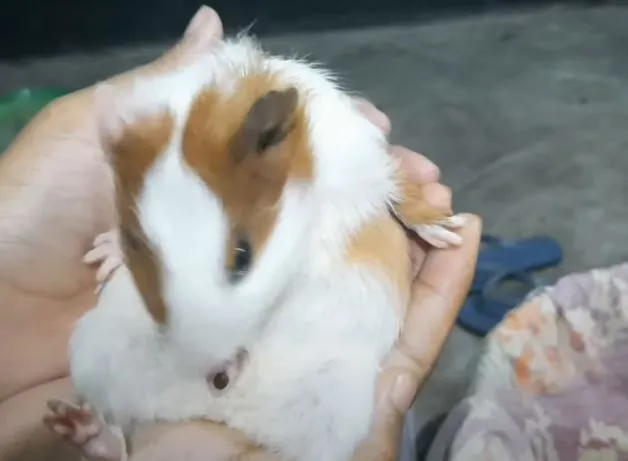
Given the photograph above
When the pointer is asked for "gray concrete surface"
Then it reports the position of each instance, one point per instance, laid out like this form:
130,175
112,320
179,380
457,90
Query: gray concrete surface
526,114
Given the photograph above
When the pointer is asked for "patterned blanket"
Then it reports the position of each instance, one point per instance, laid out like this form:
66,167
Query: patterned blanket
553,382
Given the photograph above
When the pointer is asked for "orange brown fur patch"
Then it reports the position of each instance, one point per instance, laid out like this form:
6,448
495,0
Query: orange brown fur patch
383,243
413,209
132,156
219,142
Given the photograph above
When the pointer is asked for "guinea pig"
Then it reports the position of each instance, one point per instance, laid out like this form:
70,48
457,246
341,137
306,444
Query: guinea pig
259,211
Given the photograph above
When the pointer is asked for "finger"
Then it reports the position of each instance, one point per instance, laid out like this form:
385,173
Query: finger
437,195
417,167
376,116
438,293
203,31
437,296
205,26
418,252
384,438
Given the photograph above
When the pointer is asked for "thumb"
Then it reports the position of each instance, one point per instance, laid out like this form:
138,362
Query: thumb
202,32
205,26
375,116
395,394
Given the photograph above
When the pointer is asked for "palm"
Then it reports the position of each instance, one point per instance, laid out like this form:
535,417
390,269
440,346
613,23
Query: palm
55,197
50,204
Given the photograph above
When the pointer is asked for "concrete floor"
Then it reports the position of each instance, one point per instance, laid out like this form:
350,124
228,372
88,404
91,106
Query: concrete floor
525,113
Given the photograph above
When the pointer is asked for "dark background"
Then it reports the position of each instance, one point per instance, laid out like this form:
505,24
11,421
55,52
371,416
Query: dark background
37,27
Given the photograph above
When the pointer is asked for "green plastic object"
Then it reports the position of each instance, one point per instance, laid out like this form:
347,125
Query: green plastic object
18,108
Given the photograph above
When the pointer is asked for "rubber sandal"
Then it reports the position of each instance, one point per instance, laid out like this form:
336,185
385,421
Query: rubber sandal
527,255
482,311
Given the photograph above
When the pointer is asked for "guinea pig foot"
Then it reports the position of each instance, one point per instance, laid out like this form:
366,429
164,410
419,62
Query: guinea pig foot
440,234
86,430
107,252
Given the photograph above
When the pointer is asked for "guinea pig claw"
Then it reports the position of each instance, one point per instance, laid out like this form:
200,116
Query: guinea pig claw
107,252
440,234
82,427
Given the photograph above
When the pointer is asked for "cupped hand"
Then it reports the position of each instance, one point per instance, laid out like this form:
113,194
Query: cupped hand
441,283
56,196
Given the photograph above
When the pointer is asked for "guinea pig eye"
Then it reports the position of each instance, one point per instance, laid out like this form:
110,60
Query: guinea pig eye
243,259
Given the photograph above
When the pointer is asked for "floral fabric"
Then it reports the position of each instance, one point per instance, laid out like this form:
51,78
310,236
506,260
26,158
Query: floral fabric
564,393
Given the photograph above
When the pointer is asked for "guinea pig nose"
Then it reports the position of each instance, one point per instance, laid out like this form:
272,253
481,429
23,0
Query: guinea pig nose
221,380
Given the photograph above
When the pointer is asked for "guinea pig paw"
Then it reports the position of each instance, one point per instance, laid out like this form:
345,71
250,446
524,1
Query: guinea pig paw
107,252
441,234
85,429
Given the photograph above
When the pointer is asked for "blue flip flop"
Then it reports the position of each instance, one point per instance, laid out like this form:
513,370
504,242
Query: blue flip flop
526,255
483,310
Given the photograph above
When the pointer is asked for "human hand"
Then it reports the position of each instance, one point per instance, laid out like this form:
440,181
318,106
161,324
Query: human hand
55,197
441,283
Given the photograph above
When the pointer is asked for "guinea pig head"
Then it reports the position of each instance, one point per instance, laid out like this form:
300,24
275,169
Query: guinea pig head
211,197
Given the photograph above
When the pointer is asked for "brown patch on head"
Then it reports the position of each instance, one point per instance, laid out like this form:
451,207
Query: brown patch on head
383,244
245,146
132,155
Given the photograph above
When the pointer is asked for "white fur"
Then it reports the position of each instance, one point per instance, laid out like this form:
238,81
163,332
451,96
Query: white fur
317,328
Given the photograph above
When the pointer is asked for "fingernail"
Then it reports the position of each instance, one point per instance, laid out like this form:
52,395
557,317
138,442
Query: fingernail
402,394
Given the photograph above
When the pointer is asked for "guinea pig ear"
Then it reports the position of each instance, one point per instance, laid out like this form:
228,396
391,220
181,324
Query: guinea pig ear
267,123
